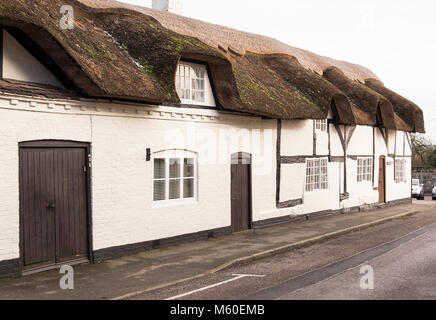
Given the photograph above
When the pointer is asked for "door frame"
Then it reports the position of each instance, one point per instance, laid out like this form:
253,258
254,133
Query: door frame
57,144
241,156
384,178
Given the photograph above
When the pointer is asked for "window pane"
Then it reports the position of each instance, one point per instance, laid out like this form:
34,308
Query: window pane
188,188
159,190
188,167
198,84
198,72
317,174
174,168
183,79
159,168
175,189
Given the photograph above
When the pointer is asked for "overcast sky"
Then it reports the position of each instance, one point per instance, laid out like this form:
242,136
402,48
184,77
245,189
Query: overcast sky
394,38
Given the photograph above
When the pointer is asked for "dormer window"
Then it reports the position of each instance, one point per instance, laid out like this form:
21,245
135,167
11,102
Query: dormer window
193,86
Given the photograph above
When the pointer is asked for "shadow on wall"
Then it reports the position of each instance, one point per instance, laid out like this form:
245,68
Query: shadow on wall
426,176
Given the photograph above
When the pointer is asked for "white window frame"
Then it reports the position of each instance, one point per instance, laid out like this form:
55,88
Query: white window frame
181,155
321,125
364,169
315,177
206,89
400,170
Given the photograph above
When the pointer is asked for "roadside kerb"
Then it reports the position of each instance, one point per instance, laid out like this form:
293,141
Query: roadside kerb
274,251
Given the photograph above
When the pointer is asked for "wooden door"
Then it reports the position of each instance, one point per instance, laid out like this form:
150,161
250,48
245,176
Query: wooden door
70,202
53,205
382,179
36,194
241,192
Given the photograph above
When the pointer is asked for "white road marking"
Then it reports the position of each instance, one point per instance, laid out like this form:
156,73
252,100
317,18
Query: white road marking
236,277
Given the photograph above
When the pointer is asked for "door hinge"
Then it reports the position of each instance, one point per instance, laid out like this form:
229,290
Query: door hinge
89,161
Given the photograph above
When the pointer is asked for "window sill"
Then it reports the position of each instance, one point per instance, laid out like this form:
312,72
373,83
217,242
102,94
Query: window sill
173,203
204,104
317,191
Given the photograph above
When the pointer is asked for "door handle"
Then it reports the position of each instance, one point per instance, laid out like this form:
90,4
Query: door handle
51,206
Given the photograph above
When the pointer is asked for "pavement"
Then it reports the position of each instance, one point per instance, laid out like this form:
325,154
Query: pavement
133,275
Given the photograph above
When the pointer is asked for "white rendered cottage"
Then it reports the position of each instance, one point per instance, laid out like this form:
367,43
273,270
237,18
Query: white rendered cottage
138,128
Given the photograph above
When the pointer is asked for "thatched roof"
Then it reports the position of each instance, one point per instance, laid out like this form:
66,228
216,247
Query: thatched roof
129,52
367,104
407,111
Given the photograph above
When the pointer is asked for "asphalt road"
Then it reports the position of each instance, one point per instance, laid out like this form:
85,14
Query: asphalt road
427,201
401,253
406,272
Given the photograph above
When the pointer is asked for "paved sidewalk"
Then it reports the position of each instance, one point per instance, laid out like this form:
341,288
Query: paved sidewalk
136,273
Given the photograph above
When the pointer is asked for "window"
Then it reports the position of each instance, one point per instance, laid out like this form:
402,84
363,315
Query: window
400,170
321,125
364,169
174,175
316,174
191,82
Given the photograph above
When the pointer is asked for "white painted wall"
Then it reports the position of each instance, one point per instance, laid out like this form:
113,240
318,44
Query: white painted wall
361,193
322,200
399,190
123,210
18,64
297,137
24,126
322,142
391,141
335,142
127,203
293,177
361,144
361,141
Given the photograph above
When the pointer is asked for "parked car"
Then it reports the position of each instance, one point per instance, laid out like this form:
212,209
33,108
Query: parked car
417,189
433,193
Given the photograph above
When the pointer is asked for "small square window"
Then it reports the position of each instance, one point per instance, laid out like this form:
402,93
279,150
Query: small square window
321,125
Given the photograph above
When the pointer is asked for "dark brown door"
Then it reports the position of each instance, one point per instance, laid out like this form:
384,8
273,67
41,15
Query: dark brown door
70,202
241,191
53,205
36,193
381,180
